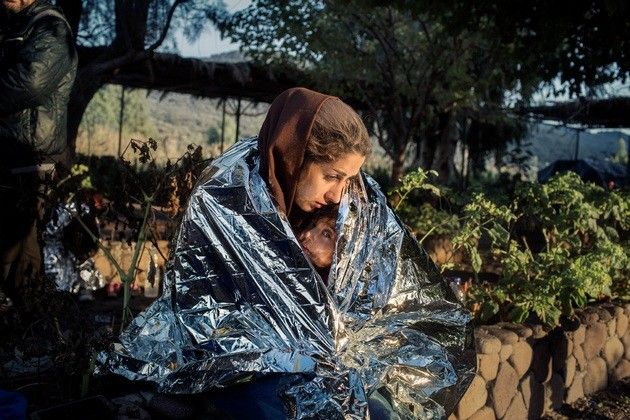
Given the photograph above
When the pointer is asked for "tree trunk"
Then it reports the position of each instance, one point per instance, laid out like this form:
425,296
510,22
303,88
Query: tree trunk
398,164
445,151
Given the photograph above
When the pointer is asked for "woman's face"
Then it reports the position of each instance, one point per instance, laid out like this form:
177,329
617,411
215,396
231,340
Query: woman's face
319,242
321,184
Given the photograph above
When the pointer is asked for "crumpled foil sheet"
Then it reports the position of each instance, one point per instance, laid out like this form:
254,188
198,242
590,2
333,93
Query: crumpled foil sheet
241,300
60,263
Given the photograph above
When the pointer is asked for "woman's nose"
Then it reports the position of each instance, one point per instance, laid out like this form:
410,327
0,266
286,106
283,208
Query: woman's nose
333,195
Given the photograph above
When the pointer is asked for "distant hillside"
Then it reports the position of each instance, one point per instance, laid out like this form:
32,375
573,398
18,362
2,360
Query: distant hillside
177,120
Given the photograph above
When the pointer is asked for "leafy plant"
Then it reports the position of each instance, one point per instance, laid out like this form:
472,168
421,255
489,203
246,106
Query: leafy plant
558,246
135,199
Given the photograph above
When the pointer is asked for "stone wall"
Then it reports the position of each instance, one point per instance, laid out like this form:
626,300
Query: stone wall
523,372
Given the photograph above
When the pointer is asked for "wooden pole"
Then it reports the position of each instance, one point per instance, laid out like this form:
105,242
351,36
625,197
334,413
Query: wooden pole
121,117
223,125
238,119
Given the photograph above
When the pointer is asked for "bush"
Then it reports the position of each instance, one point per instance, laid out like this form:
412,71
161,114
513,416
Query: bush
558,246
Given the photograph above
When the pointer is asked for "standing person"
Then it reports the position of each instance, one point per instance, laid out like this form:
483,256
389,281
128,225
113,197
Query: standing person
38,64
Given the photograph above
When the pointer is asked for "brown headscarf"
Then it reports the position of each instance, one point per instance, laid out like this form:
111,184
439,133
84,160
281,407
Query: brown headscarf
282,141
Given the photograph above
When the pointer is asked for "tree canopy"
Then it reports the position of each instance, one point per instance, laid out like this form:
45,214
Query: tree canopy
430,73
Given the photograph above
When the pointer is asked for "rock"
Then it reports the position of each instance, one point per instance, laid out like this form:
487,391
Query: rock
622,324
594,340
486,413
612,327
541,365
604,313
521,330
538,332
561,349
486,343
533,395
569,371
580,358
474,398
554,393
506,352
626,309
576,390
521,357
625,340
613,352
621,371
596,376
579,335
517,408
590,316
506,336
504,389
488,366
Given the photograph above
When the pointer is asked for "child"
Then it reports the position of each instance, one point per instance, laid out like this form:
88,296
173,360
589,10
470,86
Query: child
318,237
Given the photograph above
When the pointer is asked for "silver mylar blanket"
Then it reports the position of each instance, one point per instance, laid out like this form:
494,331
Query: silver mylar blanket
241,300
60,264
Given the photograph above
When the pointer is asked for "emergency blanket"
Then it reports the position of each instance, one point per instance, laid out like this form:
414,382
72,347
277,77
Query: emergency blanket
60,264
241,300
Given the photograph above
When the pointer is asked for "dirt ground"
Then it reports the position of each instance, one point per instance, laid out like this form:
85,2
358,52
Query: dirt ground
612,403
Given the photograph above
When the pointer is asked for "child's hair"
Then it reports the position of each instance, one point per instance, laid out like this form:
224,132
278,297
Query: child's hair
327,212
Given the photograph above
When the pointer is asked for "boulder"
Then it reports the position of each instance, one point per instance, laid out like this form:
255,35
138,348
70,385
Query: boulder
612,327
521,330
517,408
605,313
486,343
596,377
506,352
625,340
538,332
488,366
542,365
580,358
521,357
486,413
506,336
533,396
579,335
621,371
554,392
576,390
622,324
613,351
594,340
569,371
474,398
504,389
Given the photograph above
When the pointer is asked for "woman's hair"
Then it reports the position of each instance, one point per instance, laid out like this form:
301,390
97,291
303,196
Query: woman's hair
337,131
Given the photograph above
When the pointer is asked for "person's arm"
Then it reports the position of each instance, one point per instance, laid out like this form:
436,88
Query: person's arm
41,62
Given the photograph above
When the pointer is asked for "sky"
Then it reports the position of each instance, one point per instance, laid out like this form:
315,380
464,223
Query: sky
210,41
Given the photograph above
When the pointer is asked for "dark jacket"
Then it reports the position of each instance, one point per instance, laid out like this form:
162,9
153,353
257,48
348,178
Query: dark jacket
38,64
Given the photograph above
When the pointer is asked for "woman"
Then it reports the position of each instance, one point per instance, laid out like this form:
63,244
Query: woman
243,302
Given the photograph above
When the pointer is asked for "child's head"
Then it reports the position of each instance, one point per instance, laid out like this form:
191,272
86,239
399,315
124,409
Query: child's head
318,237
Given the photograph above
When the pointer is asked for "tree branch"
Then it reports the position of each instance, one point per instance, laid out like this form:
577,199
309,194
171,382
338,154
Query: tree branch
167,25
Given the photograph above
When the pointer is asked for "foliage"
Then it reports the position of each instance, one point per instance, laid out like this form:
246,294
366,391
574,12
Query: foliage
572,47
558,246
416,79
104,109
133,199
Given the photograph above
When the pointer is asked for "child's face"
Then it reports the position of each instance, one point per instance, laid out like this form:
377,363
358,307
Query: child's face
319,242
